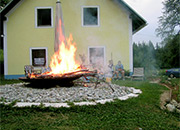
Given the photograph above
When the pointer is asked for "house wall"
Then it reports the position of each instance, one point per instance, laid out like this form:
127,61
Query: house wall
113,33
23,35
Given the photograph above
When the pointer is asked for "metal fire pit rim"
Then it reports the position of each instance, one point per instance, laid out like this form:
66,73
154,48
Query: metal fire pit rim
59,79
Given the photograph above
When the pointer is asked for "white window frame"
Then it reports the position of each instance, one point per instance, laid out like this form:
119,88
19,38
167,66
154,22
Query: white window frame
82,16
38,48
97,47
36,23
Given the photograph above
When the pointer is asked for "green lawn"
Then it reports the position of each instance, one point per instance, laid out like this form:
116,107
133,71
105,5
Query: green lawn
141,112
8,81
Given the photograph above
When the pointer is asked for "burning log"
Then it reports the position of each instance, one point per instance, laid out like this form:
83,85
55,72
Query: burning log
63,79
78,73
58,78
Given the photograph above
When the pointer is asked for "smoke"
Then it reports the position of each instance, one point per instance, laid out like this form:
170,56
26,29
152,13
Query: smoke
96,56
90,16
144,56
59,27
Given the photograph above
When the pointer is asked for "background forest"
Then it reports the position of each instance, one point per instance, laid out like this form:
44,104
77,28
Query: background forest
162,56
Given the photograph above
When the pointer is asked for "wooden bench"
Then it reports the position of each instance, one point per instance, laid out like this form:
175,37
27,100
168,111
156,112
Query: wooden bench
138,74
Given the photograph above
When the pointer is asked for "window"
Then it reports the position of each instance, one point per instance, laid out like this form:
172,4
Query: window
44,17
38,57
96,55
90,16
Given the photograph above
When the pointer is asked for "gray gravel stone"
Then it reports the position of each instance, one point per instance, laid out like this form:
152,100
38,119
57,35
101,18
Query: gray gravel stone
22,93
170,107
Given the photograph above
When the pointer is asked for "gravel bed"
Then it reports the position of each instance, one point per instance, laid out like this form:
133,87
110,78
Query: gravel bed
21,93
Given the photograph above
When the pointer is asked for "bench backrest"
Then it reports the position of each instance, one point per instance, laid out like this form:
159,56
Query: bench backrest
28,69
139,71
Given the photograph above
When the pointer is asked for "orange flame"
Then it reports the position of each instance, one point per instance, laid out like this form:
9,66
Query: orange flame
63,60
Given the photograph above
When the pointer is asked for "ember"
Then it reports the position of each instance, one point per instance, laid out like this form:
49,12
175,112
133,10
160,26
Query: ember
63,63
63,60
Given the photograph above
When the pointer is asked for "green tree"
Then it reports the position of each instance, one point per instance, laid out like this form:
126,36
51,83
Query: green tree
169,22
168,56
1,62
159,52
3,3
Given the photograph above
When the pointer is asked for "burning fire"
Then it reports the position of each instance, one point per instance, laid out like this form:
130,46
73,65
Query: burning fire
63,63
63,60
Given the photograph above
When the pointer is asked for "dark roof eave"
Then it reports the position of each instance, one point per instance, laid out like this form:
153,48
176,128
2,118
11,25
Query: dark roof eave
137,23
135,18
7,8
139,28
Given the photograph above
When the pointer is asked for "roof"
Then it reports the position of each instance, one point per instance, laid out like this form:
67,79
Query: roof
7,8
137,21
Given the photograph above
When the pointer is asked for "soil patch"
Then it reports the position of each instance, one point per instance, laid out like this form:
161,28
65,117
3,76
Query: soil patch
164,98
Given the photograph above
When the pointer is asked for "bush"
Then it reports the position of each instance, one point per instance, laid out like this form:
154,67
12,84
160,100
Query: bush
1,62
162,72
127,73
1,56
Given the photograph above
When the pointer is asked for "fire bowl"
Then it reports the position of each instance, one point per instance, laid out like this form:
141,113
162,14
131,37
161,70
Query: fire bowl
63,80
49,82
